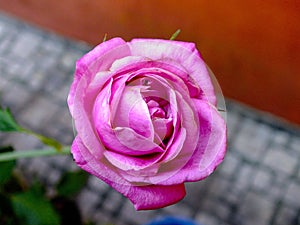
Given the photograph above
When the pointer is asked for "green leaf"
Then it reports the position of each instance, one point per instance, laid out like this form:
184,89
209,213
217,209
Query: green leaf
6,168
32,208
7,215
71,183
7,121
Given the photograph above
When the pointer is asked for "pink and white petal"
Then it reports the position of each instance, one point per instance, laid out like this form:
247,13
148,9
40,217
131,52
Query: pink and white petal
178,154
128,62
95,166
134,163
143,197
211,147
101,57
132,143
120,139
98,59
155,196
133,112
213,129
190,60
83,123
163,127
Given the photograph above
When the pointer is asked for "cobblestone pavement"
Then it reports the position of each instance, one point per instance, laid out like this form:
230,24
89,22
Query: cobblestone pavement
258,182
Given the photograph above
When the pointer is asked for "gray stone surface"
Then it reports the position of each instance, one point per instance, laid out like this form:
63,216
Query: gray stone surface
258,182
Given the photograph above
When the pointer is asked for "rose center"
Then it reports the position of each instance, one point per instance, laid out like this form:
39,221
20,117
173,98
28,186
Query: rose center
158,107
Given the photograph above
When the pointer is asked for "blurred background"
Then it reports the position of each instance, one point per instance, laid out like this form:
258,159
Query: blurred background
252,46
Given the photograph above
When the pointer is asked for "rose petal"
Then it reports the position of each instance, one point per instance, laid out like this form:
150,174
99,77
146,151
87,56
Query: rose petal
134,163
155,196
163,127
211,148
188,57
133,112
82,121
143,197
98,59
120,139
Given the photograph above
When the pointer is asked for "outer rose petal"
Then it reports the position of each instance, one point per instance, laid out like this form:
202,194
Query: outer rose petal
143,197
211,148
182,53
98,59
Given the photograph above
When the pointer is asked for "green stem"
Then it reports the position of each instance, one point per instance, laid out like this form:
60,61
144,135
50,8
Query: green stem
46,140
7,156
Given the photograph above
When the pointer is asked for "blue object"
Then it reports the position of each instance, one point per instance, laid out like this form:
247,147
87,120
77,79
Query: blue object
172,221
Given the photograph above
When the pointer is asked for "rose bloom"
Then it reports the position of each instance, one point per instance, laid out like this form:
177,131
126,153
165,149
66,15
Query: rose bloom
146,118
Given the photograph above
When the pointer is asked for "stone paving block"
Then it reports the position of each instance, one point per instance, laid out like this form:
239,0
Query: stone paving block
207,219
178,210
295,144
129,214
97,185
62,93
51,47
280,160
16,96
195,192
53,176
292,195
219,187
280,138
69,58
23,72
102,218
216,207
87,203
286,215
247,143
229,165
256,209
2,29
244,177
262,180
112,200
4,44
35,81
20,142
55,79
26,44
38,113
3,86
232,122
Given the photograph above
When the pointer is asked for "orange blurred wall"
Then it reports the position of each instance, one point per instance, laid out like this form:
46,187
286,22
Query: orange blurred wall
252,46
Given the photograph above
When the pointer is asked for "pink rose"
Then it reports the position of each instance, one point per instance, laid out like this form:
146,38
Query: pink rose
146,118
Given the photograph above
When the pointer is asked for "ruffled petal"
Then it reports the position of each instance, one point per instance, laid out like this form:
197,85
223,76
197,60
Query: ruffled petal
183,54
83,124
211,148
98,59
143,197
155,196
133,112
120,139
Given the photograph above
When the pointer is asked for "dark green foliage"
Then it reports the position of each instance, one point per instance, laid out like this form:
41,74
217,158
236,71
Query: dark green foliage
33,208
71,183
7,121
27,204
6,168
